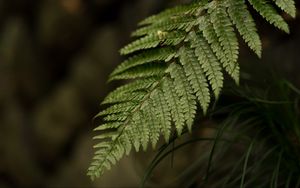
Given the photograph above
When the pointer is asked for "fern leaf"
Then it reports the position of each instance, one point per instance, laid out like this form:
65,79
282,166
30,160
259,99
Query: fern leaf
132,130
102,145
152,122
148,56
172,98
244,23
185,91
210,35
145,127
208,61
287,6
110,153
172,38
126,92
195,76
145,71
124,141
134,96
116,117
175,63
111,135
162,113
269,13
153,40
149,41
118,108
140,131
134,134
171,12
227,37
184,23
106,126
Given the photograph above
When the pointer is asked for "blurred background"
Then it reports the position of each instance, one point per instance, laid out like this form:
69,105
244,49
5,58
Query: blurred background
55,57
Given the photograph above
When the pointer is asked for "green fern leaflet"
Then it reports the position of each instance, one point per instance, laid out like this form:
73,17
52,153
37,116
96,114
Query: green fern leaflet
176,64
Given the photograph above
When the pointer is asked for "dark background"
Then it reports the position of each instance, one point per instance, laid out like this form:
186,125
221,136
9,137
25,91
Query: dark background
55,56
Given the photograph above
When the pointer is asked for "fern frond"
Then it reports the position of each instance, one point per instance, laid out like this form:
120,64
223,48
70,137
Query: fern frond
162,113
180,10
112,125
113,152
185,91
287,6
126,92
184,23
153,40
148,56
173,100
152,122
227,38
208,61
267,11
244,23
139,131
117,108
116,117
110,135
211,36
176,61
145,71
195,76
224,30
134,96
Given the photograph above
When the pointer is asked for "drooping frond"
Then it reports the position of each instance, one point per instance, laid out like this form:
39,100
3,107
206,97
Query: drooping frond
162,113
287,6
208,62
151,121
177,60
231,67
184,90
195,76
225,33
172,98
266,10
244,23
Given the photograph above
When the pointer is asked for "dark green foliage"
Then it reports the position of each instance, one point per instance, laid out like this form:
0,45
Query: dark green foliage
177,62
